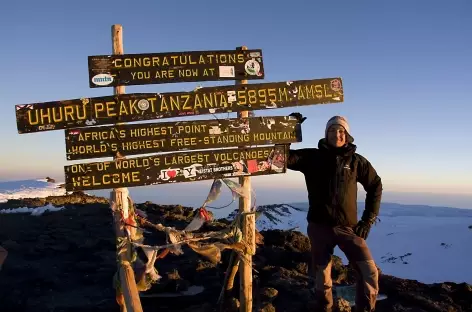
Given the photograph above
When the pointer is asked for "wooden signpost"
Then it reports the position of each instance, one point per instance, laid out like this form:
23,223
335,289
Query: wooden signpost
144,138
155,68
200,150
176,167
104,110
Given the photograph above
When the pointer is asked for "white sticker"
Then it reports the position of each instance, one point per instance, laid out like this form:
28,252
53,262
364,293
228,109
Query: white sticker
191,171
254,54
252,67
167,174
226,71
102,79
214,130
143,104
231,96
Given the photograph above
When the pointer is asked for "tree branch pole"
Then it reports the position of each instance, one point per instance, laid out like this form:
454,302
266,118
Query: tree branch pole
120,204
248,230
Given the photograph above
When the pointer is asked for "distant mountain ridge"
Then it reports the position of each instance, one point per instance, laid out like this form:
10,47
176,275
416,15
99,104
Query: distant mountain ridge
293,215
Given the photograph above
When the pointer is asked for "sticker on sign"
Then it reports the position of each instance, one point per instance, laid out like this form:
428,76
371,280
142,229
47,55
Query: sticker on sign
102,79
226,71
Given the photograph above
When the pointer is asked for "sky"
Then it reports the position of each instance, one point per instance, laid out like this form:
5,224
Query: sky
406,68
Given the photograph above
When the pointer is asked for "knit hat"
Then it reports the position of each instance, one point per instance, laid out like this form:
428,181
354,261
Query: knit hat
342,121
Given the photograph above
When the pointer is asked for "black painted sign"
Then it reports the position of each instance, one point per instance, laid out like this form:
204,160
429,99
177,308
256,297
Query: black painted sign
177,167
157,68
133,139
96,111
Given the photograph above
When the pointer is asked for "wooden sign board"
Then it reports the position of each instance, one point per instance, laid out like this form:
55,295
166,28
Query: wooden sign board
177,167
133,139
96,111
157,68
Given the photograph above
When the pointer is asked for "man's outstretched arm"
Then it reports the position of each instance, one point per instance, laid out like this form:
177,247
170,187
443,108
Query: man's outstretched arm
296,158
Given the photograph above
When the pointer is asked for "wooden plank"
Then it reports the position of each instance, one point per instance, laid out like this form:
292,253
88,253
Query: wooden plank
78,113
134,139
176,168
171,67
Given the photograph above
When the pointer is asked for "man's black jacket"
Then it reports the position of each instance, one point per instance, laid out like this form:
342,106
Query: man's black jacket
331,176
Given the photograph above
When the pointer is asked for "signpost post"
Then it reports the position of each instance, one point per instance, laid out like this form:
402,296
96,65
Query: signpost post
120,208
200,150
249,235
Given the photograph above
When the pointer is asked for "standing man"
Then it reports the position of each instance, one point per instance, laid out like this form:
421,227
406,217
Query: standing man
331,174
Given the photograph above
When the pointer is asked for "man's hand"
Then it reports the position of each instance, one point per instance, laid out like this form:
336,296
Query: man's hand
299,117
362,229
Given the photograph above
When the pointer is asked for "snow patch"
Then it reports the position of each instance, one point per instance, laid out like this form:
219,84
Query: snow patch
29,189
38,211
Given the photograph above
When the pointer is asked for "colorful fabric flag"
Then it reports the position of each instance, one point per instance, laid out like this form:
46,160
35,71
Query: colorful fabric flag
236,189
215,191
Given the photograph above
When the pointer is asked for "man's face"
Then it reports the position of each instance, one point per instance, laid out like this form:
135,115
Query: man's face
336,136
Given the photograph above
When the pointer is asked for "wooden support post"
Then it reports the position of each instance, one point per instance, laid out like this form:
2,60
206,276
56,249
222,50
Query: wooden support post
119,203
249,235
228,282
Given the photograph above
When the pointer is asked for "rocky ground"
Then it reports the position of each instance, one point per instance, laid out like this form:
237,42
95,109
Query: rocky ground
65,261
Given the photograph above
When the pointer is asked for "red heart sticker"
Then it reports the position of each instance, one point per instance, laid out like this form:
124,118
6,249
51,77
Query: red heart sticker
171,173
